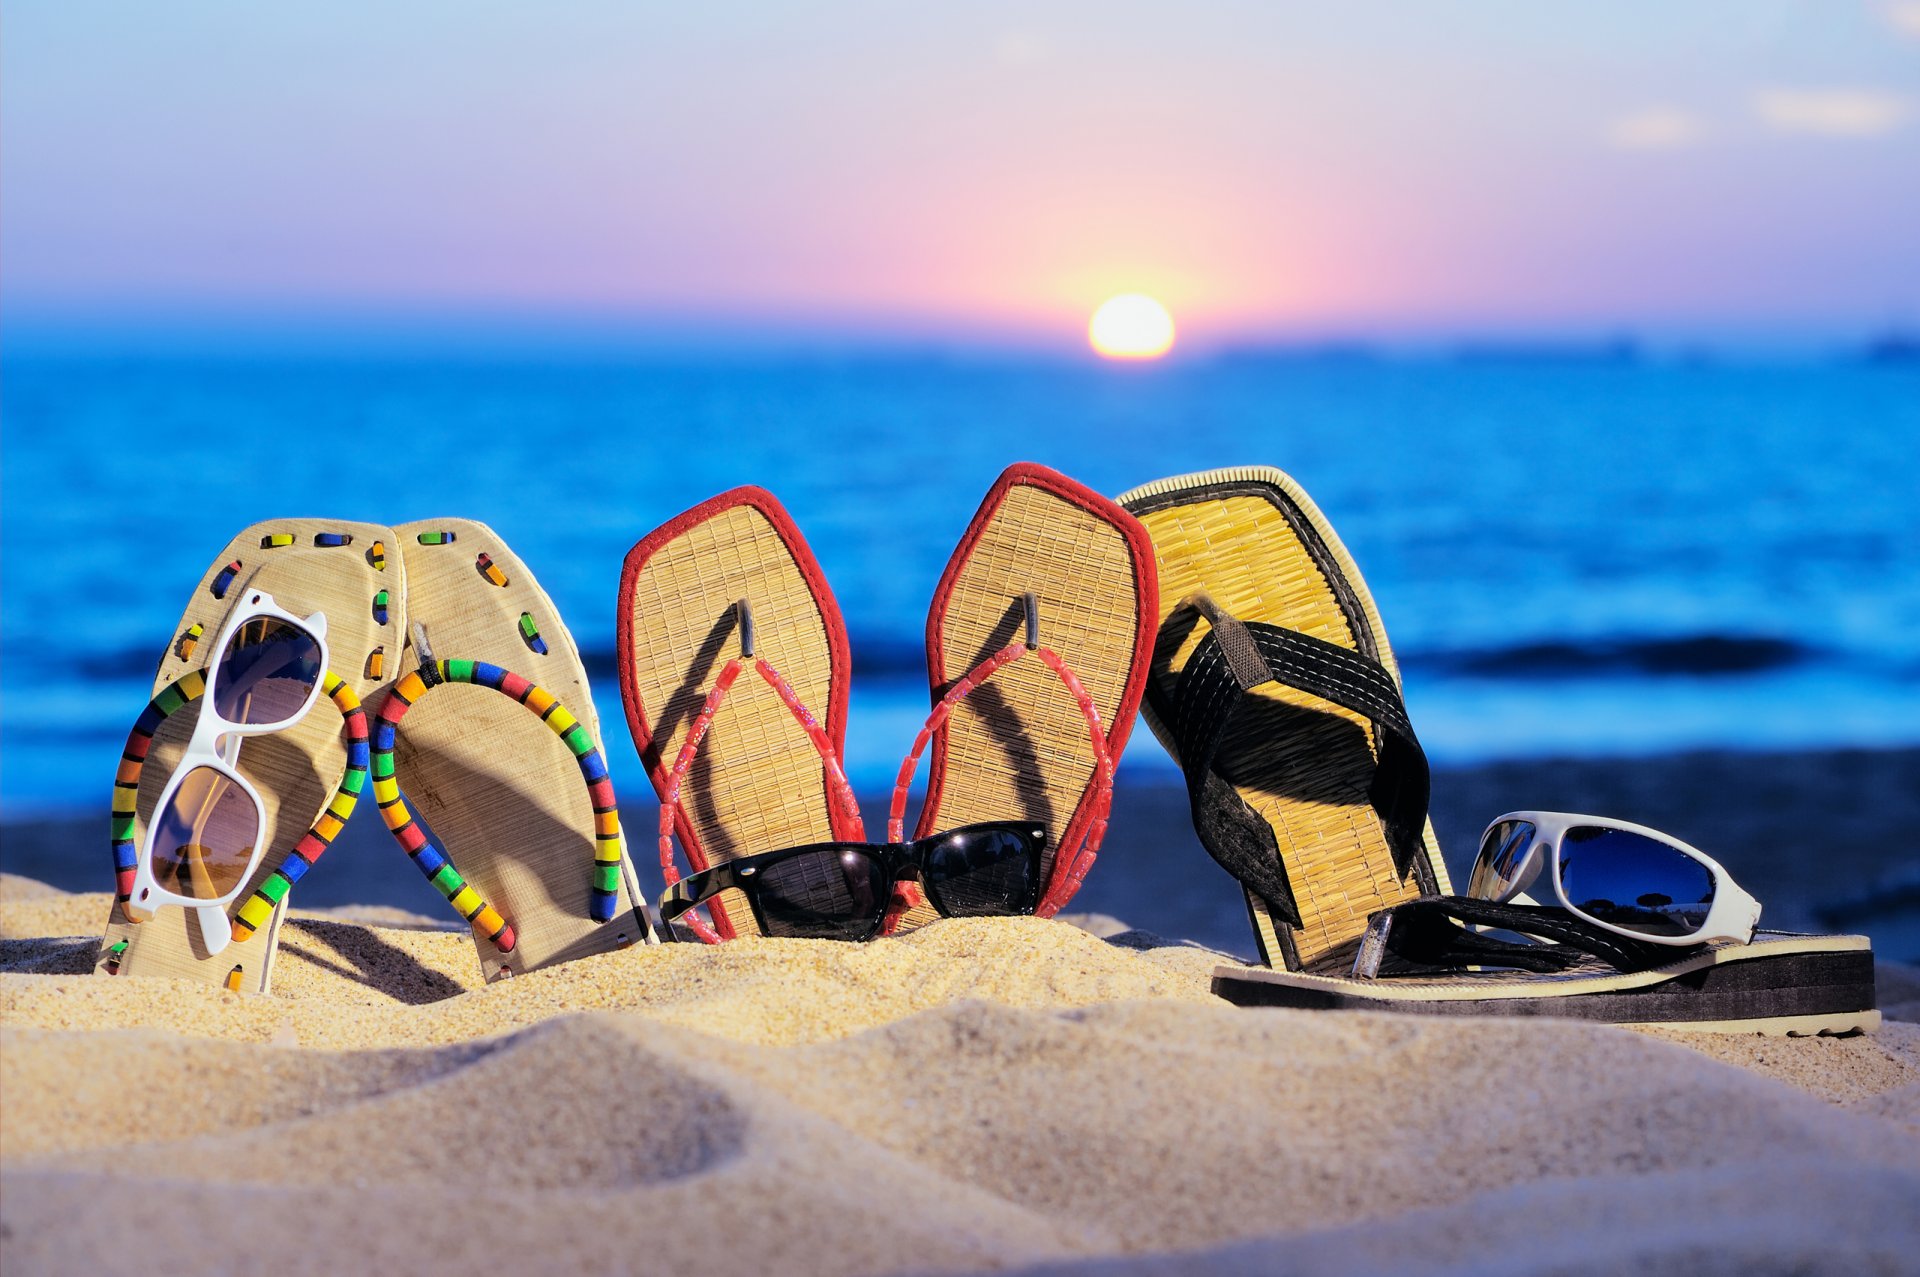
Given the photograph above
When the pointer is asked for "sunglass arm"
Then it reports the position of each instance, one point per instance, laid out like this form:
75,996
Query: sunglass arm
215,930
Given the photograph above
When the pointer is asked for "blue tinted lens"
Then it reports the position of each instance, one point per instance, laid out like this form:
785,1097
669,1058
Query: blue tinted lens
1503,853
266,673
1634,882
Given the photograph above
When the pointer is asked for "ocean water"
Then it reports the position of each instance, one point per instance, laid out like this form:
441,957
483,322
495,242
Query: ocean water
1572,558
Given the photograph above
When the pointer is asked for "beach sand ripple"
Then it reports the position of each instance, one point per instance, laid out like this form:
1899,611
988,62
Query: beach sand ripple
986,1093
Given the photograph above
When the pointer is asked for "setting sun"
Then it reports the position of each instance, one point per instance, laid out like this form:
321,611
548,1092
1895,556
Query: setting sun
1131,326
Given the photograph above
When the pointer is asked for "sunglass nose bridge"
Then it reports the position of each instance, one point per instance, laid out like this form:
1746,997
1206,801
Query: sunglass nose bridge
1535,865
743,615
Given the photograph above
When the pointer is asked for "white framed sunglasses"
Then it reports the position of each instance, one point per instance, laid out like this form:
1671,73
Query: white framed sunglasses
1626,878
209,830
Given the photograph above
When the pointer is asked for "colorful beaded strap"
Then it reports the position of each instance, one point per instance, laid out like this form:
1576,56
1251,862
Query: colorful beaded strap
259,906
429,857
844,809
126,794
1070,864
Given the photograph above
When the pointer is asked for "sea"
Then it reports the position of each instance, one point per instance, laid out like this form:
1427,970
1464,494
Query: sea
1575,555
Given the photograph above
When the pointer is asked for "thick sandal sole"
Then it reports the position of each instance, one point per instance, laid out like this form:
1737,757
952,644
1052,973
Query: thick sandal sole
1786,985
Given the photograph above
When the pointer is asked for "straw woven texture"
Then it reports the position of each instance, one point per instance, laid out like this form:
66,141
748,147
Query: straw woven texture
1304,764
757,783
295,771
1017,748
501,792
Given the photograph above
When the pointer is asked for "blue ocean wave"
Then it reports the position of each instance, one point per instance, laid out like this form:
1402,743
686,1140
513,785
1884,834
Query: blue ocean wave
1573,555
1678,656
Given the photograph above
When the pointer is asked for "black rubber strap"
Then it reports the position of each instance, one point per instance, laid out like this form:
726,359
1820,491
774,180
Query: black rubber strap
1231,661
1431,934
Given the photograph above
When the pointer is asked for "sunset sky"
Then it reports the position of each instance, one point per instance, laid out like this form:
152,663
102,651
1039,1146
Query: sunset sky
1270,171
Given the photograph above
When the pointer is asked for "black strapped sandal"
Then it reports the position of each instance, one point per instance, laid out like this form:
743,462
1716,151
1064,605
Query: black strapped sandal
1274,687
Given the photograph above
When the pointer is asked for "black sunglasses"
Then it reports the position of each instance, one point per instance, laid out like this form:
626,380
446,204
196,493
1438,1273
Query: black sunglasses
842,890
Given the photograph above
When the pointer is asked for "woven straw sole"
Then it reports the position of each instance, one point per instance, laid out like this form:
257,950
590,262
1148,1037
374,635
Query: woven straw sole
1251,538
1017,748
502,793
295,771
1777,984
757,783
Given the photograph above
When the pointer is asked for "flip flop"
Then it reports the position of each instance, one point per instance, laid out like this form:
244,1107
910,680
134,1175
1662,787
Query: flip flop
496,787
1038,643
1419,958
1275,690
734,672
308,776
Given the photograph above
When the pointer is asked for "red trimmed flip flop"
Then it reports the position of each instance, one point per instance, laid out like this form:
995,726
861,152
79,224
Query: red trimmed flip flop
726,589
1039,640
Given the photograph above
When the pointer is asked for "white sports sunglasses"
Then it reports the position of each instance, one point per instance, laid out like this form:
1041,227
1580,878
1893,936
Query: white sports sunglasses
209,830
1629,879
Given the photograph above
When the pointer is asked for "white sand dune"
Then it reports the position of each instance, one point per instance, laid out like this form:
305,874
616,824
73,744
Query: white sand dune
982,1094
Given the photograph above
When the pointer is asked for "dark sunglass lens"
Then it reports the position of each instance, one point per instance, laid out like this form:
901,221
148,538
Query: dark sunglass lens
1503,854
266,673
835,893
976,872
1634,882
203,839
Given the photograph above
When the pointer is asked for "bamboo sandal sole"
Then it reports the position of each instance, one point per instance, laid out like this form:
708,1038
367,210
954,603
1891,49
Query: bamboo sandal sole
520,830
1018,747
1250,538
757,783
302,774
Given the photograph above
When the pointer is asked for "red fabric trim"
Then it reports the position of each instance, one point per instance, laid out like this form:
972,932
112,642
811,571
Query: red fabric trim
1147,608
841,662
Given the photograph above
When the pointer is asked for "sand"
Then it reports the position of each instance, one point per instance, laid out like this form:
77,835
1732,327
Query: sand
983,1094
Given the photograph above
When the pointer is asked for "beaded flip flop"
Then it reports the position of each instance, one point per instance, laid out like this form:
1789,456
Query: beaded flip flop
733,652
496,786
1038,642
308,776
1275,690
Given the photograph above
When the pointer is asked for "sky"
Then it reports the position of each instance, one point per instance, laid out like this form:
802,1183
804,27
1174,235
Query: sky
1271,171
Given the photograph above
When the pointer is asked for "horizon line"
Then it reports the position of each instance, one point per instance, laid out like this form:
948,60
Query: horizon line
414,329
